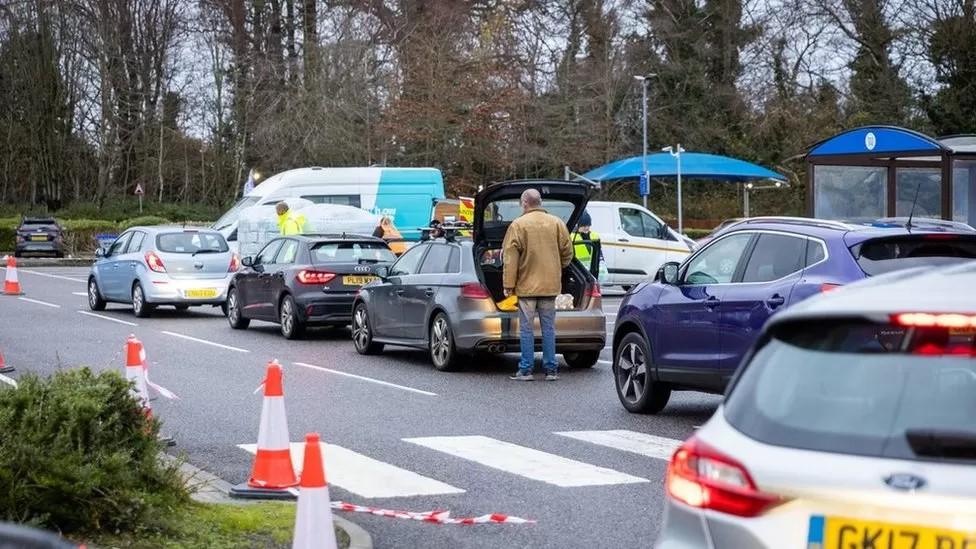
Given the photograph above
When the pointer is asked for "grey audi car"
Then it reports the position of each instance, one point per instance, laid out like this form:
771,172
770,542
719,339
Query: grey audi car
442,295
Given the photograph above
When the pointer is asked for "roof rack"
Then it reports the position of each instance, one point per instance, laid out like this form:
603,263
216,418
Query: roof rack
451,230
340,235
805,221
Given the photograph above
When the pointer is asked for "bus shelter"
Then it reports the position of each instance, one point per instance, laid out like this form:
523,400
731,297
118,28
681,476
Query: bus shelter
877,172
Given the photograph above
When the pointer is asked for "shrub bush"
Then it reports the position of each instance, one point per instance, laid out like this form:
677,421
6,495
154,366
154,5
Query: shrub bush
79,234
78,454
144,220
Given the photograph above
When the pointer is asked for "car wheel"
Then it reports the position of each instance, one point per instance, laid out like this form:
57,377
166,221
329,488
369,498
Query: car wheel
443,353
582,359
139,306
362,333
234,316
632,373
292,326
182,307
95,301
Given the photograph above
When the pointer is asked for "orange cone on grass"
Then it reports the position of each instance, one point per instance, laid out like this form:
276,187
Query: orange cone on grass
313,518
273,474
4,368
11,284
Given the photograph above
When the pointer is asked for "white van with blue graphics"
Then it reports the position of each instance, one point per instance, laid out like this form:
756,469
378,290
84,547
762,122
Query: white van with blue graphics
407,195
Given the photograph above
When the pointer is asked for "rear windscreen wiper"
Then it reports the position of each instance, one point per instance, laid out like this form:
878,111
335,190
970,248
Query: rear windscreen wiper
206,251
942,443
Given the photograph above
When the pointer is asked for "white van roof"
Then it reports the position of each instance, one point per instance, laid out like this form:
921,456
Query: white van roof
316,175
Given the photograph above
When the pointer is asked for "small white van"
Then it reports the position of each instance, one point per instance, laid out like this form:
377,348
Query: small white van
634,241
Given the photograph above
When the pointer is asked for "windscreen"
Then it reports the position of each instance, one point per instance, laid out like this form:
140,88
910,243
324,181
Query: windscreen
191,242
884,255
505,211
855,387
351,252
39,224
232,214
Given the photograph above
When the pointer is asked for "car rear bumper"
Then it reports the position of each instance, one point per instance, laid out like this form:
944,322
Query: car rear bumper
39,247
161,289
326,308
575,331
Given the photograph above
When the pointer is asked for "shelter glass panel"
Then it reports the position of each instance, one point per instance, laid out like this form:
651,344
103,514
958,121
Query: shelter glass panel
964,191
850,192
927,183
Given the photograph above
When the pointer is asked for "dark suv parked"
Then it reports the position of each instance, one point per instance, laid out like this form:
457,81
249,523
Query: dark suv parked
39,235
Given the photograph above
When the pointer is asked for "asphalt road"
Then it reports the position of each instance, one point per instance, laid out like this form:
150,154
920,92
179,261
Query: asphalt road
565,454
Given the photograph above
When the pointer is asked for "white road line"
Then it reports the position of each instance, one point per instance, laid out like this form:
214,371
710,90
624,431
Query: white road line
39,302
205,342
82,294
52,276
365,476
363,378
103,317
629,441
605,362
526,462
9,381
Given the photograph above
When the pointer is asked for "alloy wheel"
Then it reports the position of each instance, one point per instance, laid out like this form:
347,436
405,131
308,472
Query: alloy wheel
92,294
287,317
232,310
440,341
137,299
632,373
360,328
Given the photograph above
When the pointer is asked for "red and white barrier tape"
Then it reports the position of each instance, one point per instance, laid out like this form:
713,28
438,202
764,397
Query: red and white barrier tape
436,517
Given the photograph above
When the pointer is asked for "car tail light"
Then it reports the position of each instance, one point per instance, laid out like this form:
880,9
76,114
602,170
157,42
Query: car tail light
703,477
593,290
828,287
934,320
235,263
475,290
154,263
308,276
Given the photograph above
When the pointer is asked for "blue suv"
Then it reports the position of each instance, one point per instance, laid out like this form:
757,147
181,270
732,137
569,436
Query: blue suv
691,326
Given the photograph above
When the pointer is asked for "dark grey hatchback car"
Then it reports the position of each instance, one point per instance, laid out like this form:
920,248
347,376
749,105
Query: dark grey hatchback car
442,295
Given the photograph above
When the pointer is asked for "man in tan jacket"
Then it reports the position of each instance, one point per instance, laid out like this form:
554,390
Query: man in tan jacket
537,248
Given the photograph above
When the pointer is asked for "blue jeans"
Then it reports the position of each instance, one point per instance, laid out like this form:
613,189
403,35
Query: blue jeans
546,308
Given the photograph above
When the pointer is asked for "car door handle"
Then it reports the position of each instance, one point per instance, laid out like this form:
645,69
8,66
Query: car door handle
399,292
712,302
428,292
775,301
623,240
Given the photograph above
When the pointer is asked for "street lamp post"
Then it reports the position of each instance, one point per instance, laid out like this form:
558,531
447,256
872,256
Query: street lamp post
644,80
676,153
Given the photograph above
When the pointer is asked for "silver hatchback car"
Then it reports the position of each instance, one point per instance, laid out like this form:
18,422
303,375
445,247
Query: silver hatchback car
152,266
851,425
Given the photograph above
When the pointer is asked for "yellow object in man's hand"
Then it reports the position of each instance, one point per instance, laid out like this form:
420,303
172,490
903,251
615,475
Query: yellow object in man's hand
510,303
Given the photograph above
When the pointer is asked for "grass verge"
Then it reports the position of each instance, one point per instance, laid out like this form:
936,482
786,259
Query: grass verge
218,526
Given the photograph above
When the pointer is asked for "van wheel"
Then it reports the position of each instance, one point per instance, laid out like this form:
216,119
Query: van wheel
582,359
632,369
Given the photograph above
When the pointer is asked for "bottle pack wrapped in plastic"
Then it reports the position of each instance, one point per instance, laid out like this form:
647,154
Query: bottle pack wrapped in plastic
337,219
259,224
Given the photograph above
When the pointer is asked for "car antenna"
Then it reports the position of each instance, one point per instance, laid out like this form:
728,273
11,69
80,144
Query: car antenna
911,214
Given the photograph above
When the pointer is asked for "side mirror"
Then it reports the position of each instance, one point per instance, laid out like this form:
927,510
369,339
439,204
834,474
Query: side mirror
248,261
669,273
382,271
100,253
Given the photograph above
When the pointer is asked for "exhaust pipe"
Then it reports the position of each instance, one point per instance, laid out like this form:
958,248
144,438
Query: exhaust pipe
496,348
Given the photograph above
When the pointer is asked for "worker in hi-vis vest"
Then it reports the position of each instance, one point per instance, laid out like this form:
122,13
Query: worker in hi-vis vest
288,224
585,240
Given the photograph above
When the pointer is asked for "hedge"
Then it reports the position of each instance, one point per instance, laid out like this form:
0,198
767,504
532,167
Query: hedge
79,234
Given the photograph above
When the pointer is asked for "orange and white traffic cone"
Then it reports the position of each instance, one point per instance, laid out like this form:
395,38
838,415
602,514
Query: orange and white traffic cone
313,518
137,371
4,367
11,284
273,473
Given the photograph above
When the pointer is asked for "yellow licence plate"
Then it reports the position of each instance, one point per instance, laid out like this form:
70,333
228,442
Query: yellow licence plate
39,237
844,533
202,293
357,280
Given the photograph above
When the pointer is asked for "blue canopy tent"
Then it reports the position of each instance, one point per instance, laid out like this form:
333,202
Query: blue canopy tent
693,165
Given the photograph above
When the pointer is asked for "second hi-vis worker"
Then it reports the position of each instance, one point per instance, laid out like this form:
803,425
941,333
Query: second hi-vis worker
584,240
288,224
